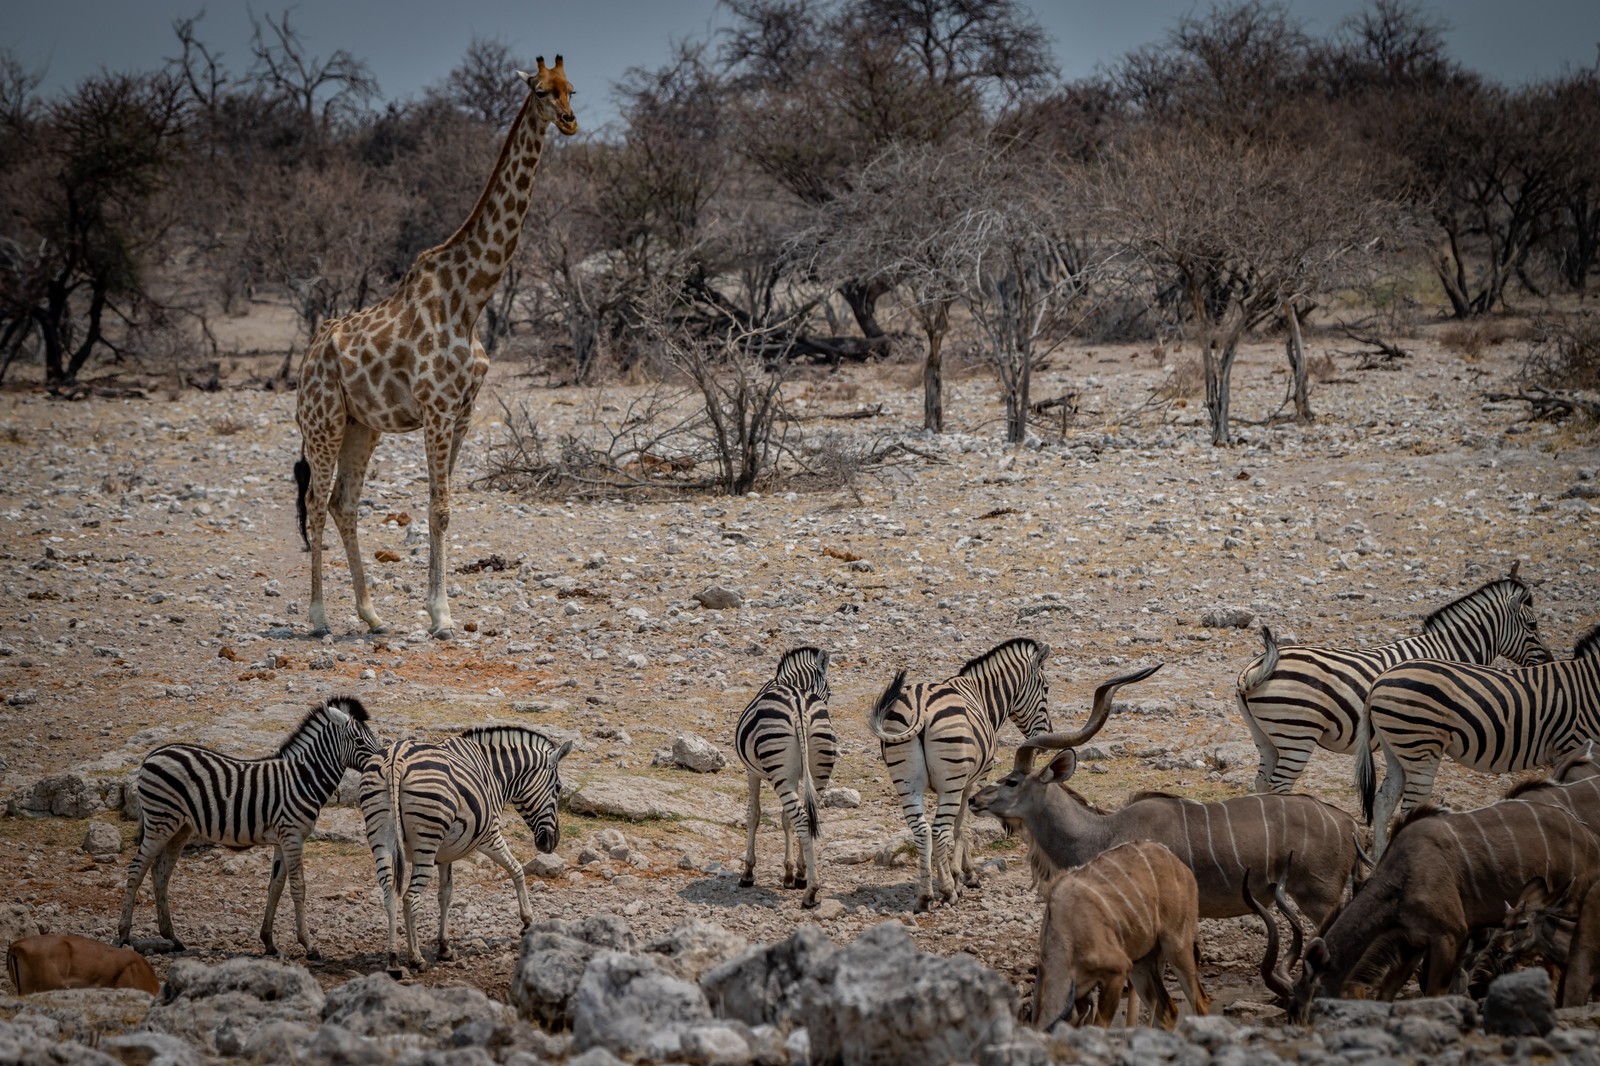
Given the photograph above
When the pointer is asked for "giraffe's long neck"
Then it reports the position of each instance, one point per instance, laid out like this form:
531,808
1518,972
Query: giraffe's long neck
488,238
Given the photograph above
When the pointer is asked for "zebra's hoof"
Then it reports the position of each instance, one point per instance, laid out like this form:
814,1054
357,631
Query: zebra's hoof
924,903
177,945
377,629
799,882
313,955
398,973
446,954
319,632
269,950
810,902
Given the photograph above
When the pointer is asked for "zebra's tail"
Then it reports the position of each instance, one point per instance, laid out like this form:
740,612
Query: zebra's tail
1366,773
808,787
1262,667
302,486
880,710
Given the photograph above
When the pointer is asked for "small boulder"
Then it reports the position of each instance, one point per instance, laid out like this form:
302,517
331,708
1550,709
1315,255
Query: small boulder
697,754
846,798
102,841
696,946
762,986
218,1008
1520,1004
64,795
718,598
545,865
1228,618
552,959
379,1006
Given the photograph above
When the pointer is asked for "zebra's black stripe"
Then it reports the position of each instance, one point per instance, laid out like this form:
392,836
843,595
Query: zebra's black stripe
1298,698
187,790
1493,720
432,804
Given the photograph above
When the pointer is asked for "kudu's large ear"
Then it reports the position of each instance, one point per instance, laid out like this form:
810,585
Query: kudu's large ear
1060,768
1316,954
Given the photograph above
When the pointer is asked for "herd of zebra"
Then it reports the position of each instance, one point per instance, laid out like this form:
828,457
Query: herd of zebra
1415,700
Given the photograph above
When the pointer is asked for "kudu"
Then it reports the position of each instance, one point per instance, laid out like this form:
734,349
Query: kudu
1122,915
1443,876
1220,842
46,963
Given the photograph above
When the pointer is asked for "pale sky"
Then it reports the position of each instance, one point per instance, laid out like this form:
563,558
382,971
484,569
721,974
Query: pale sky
410,44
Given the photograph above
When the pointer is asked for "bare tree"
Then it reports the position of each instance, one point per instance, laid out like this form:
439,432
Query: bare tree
83,178
895,227
1243,234
323,92
484,85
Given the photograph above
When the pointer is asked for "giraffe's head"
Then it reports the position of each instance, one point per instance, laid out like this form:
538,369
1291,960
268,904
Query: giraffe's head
552,95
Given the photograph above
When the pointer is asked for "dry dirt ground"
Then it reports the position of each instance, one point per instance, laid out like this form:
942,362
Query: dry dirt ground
154,589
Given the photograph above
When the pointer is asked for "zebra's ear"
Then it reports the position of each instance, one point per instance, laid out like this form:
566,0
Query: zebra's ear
561,752
1044,651
338,715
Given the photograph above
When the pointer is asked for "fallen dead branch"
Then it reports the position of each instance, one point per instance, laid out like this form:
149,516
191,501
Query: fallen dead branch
1545,403
1379,353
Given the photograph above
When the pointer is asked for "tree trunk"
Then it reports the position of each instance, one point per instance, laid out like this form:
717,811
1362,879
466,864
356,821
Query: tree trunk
933,385
1294,345
1452,276
1219,369
863,300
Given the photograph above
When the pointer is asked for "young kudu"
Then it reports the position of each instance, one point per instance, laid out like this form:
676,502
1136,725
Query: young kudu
1222,842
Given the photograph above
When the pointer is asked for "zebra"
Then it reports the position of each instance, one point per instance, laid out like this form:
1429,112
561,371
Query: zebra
1297,698
431,804
943,735
1493,720
187,790
784,736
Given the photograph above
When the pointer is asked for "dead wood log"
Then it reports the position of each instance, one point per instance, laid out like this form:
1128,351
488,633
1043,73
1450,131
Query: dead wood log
1544,403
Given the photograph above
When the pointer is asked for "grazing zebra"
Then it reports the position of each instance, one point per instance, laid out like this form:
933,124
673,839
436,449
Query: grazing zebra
942,735
1487,719
186,790
784,736
1297,698
431,804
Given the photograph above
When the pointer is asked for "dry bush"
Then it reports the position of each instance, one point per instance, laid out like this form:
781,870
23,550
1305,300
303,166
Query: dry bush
1322,368
227,425
1564,352
1475,336
1186,379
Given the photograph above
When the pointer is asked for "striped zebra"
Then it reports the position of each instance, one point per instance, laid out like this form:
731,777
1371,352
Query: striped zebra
189,791
784,736
1298,698
431,804
1493,720
942,735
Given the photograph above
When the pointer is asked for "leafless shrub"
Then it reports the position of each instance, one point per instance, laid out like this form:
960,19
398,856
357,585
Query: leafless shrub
1322,368
1471,338
1186,380
1564,352
227,425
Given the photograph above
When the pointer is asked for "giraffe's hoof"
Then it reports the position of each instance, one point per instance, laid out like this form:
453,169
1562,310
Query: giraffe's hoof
799,882
445,633
319,632
377,629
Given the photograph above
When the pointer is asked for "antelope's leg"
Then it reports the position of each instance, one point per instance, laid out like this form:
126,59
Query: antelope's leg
752,819
1110,998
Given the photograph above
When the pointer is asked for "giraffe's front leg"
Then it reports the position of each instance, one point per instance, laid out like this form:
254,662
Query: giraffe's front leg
438,436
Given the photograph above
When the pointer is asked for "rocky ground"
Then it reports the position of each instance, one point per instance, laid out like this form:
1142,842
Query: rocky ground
154,589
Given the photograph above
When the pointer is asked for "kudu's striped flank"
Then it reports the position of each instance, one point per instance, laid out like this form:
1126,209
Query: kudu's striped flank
1225,843
432,804
186,790
1298,698
1497,721
785,737
942,736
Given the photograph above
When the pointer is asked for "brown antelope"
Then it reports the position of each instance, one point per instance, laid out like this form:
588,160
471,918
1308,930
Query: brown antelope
1221,842
1443,876
46,963
1121,915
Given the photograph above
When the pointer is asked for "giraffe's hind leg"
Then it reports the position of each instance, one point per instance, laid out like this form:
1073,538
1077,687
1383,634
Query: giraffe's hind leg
354,455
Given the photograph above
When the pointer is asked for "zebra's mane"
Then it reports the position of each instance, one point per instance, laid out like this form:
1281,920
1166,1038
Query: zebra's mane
1414,815
798,662
1588,644
502,731
315,720
1014,642
1447,614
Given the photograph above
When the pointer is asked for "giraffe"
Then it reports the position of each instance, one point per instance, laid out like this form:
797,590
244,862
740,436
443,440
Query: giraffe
414,361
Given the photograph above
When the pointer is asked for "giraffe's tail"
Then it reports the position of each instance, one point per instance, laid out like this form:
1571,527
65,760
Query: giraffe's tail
302,484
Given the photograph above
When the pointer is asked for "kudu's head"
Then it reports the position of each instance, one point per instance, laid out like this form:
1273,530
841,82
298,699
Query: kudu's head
1309,985
1021,793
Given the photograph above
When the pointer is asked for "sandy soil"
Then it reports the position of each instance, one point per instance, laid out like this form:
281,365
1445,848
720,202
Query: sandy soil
154,589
